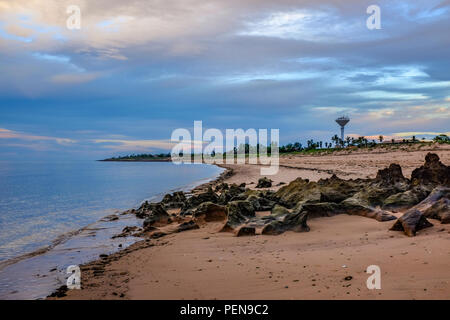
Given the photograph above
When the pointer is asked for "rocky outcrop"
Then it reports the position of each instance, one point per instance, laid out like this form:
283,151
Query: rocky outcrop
320,209
157,217
433,172
279,210
260,203
436,205
264,183
232,193
427,195
209,211
295,221
239,212
299,190
406,199
325,190
392,176
175,200
356,206
198,199
411,222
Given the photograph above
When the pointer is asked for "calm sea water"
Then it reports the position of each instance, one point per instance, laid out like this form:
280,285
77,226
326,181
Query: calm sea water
40,201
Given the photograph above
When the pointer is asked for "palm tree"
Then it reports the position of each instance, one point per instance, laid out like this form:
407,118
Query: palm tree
335,139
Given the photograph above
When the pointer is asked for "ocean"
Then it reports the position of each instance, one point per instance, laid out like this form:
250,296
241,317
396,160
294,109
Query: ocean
51,214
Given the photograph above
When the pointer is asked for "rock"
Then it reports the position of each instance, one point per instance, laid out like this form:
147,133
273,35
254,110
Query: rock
321,209
144,210
392,175
197,199
295,221
188,225
158,216
433,172
264,183
336,190
238,213
404,200
325,190
260,203
389,181
297,191
440,210
436,205
411,222
221,187
210,212
128,231
175,200
246,231
60,292
232,192
354,206
279,210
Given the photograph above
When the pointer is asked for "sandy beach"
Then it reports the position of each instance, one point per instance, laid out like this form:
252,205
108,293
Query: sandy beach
328,262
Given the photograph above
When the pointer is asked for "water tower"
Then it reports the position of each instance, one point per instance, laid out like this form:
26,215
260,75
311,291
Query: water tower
342,121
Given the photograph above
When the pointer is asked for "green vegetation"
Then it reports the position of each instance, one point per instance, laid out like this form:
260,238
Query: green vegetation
312,147
442,138
141,157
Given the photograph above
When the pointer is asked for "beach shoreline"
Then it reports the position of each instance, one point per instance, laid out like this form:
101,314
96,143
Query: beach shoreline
36,273
207,264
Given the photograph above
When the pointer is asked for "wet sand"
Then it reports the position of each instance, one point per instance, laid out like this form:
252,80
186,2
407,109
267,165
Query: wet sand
205,264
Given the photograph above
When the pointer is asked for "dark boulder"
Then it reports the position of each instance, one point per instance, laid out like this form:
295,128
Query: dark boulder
238,213
246,231
158,216
175,200
433,172
392,175
210,212
406,199
436,205
197,199
411,222
221,187
145,209
264,183
233,192
260,203
295,221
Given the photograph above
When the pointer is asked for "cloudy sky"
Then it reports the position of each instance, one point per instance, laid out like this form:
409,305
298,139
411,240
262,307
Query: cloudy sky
138,69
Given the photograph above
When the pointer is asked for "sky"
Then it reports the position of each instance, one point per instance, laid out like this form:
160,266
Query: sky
136,70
